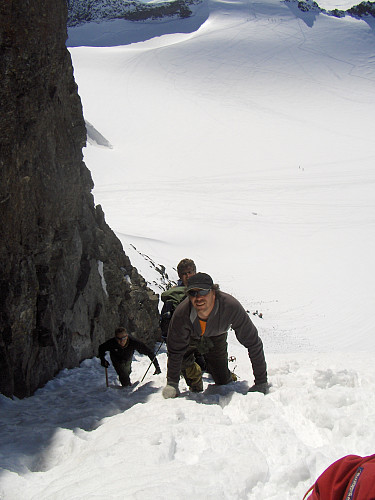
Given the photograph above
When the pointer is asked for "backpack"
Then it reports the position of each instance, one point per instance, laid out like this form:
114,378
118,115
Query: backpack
171,299
349,478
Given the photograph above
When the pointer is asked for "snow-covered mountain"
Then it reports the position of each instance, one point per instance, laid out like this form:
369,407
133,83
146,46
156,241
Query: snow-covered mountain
242,138
84,11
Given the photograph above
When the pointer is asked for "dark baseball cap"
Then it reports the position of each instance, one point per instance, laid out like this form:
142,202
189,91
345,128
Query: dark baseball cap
200,281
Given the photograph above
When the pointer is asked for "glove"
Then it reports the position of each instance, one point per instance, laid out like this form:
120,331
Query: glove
104,362
170,391
157,371
263,388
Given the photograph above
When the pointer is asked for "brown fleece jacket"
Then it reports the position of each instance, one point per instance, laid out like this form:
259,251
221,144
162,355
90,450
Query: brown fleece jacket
227,312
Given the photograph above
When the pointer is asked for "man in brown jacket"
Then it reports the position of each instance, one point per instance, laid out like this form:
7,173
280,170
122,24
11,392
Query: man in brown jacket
201,322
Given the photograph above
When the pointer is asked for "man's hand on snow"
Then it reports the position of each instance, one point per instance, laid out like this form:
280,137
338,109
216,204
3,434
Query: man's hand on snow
170,391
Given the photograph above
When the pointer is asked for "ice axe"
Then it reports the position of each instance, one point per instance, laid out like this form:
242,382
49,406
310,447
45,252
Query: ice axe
232,359
106,376
149,366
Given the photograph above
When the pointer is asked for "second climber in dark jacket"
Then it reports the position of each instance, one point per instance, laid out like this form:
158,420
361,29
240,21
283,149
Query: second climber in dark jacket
121,350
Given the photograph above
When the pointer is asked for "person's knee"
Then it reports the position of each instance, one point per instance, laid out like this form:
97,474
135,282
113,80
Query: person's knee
194,372
223,378
219,370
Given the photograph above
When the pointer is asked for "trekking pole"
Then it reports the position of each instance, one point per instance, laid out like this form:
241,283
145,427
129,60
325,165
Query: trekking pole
149,366
106,376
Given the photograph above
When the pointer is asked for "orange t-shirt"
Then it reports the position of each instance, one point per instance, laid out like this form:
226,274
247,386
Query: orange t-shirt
203,323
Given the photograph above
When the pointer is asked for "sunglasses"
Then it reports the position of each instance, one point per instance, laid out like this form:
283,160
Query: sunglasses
119,339
195,293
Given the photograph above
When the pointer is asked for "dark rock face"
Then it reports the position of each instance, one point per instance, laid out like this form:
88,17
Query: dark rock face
65,282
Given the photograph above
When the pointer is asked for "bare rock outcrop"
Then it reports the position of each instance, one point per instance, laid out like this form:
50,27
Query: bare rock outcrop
65,282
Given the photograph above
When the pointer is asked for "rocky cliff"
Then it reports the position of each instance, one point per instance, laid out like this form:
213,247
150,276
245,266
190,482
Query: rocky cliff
83,11
65,282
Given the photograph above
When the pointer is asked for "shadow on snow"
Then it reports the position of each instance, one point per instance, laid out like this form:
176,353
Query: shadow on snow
76,399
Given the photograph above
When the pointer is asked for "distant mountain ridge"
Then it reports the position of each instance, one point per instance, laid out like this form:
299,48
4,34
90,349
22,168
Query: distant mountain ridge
360,10
85,11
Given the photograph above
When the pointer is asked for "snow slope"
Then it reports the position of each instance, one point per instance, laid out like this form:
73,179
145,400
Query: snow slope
249,142
246,144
